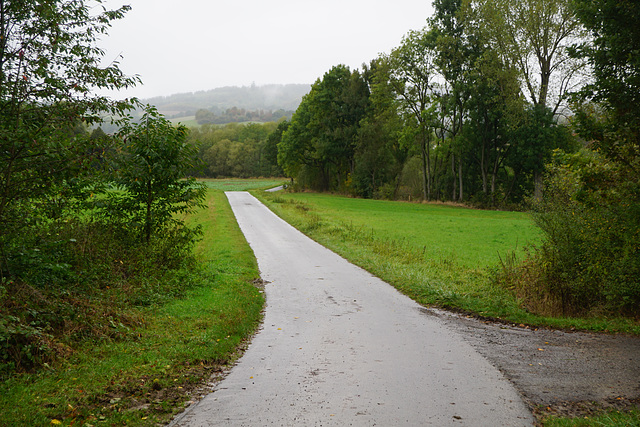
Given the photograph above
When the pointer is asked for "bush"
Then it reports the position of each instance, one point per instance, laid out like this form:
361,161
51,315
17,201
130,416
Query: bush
77,281
589,261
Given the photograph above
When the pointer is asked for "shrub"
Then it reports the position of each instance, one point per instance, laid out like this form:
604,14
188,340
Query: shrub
590,258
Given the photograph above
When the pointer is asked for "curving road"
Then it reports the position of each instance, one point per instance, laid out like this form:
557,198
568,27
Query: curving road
340,347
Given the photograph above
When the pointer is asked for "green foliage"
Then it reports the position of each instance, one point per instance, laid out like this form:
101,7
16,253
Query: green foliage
150,186
318,147
412,76
589,261
534,37
612,55
380,153
49,65
240,115
455,94
237,150
590,215
196,320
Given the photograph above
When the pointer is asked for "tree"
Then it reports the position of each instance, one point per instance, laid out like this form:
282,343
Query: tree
380,154
535,37
320,142
615,30
151,172
590,215
412,76
457,50
49,66
495,107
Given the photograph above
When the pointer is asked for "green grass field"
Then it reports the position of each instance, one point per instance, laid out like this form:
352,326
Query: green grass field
239,184
188,121
469,237
442,256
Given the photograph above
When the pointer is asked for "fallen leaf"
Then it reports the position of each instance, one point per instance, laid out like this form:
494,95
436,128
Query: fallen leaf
56,422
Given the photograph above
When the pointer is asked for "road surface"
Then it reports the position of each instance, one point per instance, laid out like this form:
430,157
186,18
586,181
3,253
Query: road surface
339,347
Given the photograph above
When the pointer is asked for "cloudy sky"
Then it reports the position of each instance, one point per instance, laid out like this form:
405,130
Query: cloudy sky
191,45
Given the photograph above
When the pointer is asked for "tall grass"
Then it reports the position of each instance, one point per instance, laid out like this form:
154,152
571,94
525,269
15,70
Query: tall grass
439,255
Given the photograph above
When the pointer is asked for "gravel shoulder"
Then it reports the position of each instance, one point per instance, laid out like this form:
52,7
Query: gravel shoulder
557,372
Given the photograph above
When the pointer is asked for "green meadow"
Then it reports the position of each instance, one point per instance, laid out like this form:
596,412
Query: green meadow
468,237
239,184
439,255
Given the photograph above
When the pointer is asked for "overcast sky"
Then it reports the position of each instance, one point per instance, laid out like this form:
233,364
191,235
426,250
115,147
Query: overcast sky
192,45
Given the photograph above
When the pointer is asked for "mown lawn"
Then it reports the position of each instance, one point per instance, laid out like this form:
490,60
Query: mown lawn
469,237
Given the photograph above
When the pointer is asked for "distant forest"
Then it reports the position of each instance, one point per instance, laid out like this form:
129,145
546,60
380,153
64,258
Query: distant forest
261,100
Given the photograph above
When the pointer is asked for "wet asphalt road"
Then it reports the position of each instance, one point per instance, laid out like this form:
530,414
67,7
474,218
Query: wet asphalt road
339,347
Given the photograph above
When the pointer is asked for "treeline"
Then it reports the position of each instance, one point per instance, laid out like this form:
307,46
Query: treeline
240,115
237,150
460,111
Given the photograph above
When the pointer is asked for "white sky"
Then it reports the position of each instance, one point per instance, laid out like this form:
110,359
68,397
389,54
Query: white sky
191,45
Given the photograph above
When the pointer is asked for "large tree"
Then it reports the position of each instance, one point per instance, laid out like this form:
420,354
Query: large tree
590,217
457,51
50,67
413,75
535,37
380,152
321,139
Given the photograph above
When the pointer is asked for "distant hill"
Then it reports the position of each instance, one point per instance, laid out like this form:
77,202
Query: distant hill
267,97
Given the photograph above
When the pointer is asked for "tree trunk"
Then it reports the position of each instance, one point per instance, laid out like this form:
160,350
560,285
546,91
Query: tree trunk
483,171
147,226
424,171
537,178
461,192
453,172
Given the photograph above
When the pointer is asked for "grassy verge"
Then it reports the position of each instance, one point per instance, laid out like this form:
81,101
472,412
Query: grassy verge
438,255
612,418
146,377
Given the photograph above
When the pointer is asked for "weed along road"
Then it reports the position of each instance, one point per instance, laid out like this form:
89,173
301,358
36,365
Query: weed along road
339,347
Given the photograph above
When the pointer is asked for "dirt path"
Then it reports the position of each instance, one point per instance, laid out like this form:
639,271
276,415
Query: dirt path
340,347
565,373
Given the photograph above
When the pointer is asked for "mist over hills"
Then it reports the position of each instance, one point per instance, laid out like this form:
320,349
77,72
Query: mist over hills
267,97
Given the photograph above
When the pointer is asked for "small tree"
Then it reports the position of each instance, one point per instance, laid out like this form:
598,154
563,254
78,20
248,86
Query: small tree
152,165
